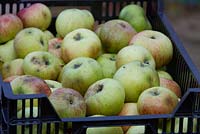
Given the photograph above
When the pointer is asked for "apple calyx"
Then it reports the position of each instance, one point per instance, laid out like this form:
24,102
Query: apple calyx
153,37
146,61
122,25
77,37
112,58
154,93
77,65
41,42
99,88
44,61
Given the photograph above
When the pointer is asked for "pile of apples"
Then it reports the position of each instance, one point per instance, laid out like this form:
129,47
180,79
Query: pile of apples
114,68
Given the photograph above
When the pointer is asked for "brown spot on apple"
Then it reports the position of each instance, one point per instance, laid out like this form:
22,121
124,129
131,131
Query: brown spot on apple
100,88
77,65
77,37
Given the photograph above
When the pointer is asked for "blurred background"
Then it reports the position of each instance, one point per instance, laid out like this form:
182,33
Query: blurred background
184,16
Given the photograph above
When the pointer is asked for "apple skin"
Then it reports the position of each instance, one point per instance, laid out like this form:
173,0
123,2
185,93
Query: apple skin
157,43
68,103
172,85
136,130
36,15
128,109
135,78
134,52
105,97
135,15
53,85
157,100
54,47
10,25
164,74
11,68
7,53
49,34
115,34
27,84
80,43
80,73
29,40
78,19
42,64
10,78
107,62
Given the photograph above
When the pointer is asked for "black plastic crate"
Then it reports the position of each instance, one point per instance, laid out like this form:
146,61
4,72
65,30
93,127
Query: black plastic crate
181,68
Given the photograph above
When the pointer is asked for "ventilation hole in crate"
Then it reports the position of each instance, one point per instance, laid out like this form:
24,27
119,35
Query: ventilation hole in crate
1,9
103,9
14,8
110,9
21,6
7,8
117,8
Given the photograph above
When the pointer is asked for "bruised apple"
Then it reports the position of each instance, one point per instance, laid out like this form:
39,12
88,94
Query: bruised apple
54,46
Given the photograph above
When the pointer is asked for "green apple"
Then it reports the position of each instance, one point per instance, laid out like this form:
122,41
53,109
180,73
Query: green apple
80,73
115,34
164,74
10,78
157,43
135,15
54,47
107,62
105,97
157,100
27,84
49,34
42,64
36,15
29,40
135,78
136,130
10,25
7,52
80,43
172,85
104,130
11,68
76,18
53,85
134,52
68,103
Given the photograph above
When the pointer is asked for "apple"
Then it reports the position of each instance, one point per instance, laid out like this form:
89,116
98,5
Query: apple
27,84
7,53
49,34
80,43
11,68
42,64
105,97
107,62
10,25
10,78
29,40
68,103
157,100
172,85
128,109
115,34
136,130
76,18
80,73
157,43
134,52
54,47
135,78
36,15
53,85
164,74
135,15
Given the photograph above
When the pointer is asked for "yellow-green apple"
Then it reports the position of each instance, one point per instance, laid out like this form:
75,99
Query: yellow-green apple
135,15
157,100
80,43
164,74
172,85
36,15
80,73
157,43
27,84
42,64
68,103
135,78
136,130
134,52
53,85
10,78
10,25
49,34
54,47
107,62
115,34
128,109
97,29
7,52
105,97
29,40
76,18
11,68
